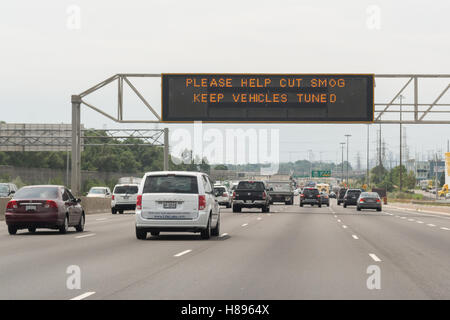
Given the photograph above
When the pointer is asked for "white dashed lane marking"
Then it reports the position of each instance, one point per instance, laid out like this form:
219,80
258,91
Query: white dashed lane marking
85,236
355,237
182,253
374,257
82,296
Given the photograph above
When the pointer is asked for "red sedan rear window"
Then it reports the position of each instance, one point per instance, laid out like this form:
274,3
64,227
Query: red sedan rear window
37,193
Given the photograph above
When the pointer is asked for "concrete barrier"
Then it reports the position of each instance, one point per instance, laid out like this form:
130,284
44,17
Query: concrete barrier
3,202
90,205
96,205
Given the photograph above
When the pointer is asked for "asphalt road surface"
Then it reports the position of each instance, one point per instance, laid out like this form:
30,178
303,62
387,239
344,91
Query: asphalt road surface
289,253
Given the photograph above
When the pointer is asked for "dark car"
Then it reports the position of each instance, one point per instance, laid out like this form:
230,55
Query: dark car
310,196
369,200
351,197
251,194
281,191
340,196
325,198
50,207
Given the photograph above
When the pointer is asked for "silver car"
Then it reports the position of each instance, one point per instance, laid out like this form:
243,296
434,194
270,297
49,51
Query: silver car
369,200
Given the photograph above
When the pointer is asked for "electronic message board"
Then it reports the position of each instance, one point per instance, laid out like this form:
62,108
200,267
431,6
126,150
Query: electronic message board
267,97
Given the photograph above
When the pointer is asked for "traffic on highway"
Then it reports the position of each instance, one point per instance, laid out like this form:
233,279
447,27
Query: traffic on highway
219,160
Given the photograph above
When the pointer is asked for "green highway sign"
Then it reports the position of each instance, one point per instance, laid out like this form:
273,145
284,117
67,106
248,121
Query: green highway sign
321,173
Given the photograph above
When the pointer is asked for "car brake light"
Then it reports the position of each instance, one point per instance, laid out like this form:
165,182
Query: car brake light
50,204
201,202
264,195
12,204
378,200
225,194
318,196
112,197
139,202
362,200
302,195
234,195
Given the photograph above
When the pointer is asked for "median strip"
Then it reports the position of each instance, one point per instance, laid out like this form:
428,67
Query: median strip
182,253
82,296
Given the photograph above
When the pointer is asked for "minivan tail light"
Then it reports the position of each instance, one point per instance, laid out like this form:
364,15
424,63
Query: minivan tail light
225,194
264,195
234,195
201,202
12,204
139,202
112,197
50,204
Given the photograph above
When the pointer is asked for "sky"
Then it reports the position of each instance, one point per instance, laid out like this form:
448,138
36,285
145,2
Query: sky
53,49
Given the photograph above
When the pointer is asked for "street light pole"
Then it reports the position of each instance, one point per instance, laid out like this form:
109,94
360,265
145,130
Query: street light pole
367,168
347,136
401,169
342,162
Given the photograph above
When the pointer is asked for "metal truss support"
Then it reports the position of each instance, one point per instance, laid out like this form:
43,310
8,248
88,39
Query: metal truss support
421,110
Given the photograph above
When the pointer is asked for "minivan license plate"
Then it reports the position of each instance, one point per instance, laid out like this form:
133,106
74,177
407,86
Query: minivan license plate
169,205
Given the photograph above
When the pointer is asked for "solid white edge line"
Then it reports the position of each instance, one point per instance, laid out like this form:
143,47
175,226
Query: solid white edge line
374,257
355,237
85,236
182,253
84,295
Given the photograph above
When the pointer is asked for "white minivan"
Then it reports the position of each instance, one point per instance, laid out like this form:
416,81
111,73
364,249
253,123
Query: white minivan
175,201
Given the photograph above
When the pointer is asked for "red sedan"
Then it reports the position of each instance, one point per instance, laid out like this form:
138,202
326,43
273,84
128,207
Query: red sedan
51,207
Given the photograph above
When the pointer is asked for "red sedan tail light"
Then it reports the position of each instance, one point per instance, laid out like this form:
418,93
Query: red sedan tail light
12,205
50,204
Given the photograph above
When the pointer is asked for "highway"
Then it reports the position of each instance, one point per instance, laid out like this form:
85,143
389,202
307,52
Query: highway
289,253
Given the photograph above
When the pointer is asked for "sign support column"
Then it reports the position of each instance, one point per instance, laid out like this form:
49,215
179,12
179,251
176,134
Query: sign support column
76,146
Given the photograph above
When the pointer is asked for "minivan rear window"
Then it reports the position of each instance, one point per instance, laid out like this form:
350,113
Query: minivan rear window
126,189
170,184
37,193
251,185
